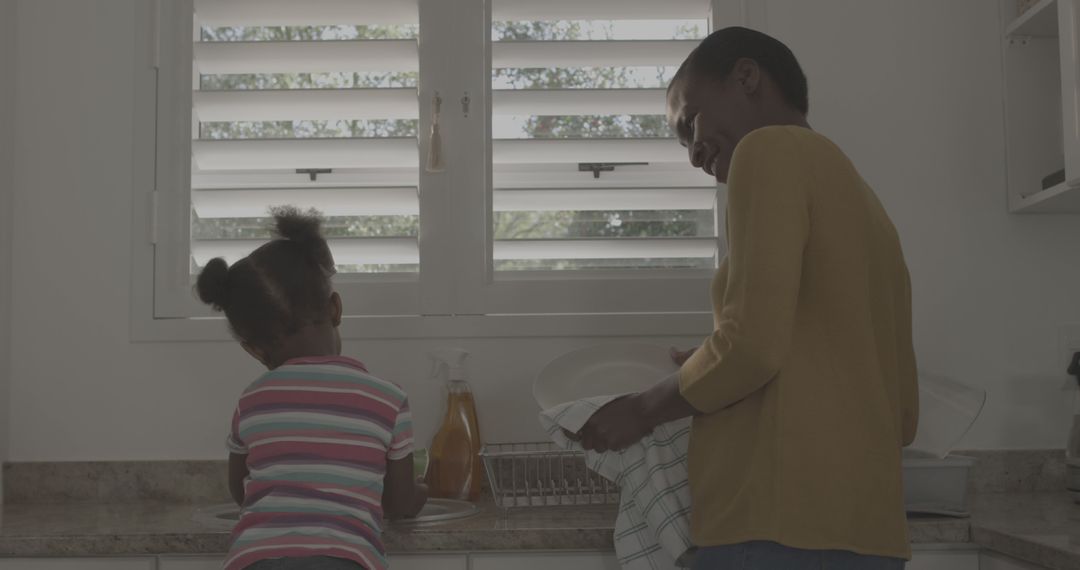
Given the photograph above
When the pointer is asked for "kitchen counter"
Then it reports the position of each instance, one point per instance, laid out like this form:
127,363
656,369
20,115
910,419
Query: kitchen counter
168,528
1043,528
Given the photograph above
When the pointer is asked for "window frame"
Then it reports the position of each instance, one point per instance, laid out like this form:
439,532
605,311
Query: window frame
482,290
171,199
457,293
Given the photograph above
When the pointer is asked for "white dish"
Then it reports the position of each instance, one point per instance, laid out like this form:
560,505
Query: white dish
947,410
602,370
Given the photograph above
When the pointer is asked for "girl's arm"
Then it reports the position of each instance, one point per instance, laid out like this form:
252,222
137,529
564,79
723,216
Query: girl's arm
238,472
403,496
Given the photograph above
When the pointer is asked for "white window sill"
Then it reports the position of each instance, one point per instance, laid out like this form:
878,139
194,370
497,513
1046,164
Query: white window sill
461,326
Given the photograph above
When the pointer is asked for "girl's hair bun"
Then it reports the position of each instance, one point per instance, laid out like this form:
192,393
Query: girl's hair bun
213,284
293,224
304,228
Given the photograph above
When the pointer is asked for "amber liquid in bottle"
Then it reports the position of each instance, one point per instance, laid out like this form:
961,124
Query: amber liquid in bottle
455,471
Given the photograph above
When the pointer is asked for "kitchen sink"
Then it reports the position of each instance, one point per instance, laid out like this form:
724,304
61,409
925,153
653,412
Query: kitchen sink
224,517
442,510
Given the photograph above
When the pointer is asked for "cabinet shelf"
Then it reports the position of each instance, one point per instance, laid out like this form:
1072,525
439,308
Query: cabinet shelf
1039,21
1060,199
1042,105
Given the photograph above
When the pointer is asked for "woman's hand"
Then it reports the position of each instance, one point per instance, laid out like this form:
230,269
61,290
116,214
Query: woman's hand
614,427
626,420
681,356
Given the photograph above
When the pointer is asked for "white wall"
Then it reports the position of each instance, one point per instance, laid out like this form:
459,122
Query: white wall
911,89
7,146
913,92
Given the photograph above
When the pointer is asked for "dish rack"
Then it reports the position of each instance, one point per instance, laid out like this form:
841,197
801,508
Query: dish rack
543,475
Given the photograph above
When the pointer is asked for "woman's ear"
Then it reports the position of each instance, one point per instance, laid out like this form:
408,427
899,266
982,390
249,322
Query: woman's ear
335,309
747,75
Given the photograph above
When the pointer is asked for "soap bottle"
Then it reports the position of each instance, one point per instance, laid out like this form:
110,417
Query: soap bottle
455,471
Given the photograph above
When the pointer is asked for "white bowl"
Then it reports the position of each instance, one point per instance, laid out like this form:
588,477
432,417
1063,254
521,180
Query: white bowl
947,410
602,370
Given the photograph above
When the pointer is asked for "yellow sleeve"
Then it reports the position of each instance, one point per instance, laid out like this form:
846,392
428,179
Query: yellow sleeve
909,388
910,411
768,225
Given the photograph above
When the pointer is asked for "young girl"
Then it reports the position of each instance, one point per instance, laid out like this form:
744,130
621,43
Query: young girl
321,450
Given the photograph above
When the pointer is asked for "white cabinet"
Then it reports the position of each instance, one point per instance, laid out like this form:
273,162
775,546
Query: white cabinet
544,561
77,564
514,561
190,562
397,562
992,561
930,558
923,558
428,562
1041,55
1069,34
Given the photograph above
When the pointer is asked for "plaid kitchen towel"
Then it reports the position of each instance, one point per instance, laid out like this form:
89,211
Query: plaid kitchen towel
652,531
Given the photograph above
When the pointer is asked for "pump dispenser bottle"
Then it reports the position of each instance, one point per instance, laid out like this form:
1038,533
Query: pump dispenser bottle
455,471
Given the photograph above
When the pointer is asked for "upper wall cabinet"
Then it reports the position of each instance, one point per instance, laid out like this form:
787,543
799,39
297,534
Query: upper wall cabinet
1041,52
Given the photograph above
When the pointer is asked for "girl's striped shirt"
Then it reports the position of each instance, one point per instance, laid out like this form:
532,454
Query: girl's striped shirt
317,433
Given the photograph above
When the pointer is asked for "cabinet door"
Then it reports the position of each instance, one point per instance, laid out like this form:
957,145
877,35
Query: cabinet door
545,561
77,564
428,562
1069,36
992,561
944,560
190,562
397,562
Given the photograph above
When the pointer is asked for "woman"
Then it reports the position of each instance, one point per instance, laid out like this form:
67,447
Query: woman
805,394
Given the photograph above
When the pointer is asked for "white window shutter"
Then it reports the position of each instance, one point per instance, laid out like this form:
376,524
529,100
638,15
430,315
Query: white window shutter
586,175
312,104
555,10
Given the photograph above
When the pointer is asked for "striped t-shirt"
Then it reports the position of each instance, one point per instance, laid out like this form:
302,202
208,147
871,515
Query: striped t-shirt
317,433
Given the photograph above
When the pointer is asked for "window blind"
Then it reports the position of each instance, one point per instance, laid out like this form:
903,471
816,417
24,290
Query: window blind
586,174
312,104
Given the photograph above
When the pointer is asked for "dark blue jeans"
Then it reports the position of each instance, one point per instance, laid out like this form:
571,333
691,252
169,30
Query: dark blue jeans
763,555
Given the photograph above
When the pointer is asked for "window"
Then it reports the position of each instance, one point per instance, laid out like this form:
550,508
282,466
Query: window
312,104
309,105
592,205
563,190
585,175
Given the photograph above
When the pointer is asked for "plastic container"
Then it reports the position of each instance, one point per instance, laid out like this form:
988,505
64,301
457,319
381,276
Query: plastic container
1072,446
1072,478
937,486
455,470
947,410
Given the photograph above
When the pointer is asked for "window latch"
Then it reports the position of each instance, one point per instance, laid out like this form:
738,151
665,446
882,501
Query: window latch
313,173
597,167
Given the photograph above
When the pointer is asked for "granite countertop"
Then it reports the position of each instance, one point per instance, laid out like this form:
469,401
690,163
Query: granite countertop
1043,528
169,528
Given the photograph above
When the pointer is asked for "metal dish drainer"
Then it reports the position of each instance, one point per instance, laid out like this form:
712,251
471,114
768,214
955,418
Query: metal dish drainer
543,475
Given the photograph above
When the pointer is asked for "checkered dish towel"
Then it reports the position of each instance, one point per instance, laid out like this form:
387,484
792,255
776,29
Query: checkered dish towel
652,531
